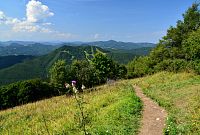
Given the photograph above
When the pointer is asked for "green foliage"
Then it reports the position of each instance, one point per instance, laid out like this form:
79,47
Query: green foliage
139,67
83,73
195,65
96,71
175,65
24,92
121,71
58,75
103,65
191,46
106,68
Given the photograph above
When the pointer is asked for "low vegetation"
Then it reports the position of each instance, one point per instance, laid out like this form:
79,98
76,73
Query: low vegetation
179,95
25,92
110,109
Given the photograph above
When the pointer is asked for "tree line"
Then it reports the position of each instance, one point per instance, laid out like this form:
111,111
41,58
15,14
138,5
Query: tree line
178,50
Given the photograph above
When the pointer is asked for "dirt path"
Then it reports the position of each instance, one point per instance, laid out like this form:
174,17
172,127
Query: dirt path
153,121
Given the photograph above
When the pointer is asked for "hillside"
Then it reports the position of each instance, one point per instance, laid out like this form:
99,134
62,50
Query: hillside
110,109
7,61
38,67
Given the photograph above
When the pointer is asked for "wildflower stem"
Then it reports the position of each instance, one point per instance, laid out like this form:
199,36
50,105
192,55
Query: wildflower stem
83,124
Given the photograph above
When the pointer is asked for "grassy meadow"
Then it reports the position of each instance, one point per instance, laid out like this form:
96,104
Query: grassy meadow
110,109
179,94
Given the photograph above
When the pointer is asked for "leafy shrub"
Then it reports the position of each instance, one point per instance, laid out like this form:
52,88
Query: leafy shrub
140,67
175,65
58,75
191,46
104,66
83,73
195,65
24,92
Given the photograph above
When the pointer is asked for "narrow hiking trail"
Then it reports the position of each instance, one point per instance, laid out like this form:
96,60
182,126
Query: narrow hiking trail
153,116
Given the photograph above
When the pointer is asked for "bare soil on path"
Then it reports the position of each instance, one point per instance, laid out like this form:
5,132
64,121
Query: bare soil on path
153,121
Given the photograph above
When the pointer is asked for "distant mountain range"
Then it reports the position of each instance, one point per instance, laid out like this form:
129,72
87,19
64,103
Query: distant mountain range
34,49
41,48
111,44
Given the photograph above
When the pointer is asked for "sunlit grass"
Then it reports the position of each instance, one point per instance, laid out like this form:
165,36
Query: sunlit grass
180,95
113,109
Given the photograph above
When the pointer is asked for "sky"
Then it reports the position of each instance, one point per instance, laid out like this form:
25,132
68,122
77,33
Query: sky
89,20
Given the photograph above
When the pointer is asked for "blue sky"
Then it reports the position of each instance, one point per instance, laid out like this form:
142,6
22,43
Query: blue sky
89,20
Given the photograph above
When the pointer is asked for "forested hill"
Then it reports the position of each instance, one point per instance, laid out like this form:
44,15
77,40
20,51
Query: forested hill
38,67
7,61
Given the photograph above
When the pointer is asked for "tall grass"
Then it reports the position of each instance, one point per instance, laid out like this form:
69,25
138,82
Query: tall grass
110,110
179,94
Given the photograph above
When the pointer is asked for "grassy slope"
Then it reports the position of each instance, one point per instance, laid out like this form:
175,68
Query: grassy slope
179,94
111,110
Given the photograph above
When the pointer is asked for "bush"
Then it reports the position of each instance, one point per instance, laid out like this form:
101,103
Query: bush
24,92
195,65
140,66
175,65
191,46
83,73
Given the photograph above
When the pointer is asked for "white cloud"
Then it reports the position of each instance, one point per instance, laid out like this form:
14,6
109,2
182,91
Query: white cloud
36,15
36,11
